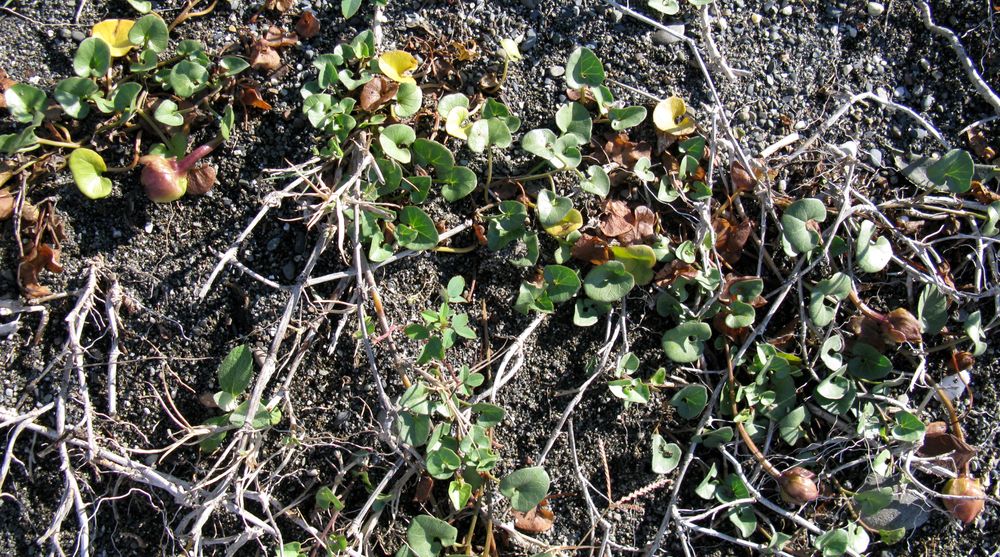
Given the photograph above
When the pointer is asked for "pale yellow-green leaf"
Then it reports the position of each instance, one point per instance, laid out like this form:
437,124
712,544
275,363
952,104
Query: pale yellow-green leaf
396,64
669,116
87,167
510,49
457,123
115,33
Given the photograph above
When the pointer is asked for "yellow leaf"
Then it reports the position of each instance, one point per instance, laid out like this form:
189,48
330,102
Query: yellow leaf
669,116
456,125
572,221
396,63
115,33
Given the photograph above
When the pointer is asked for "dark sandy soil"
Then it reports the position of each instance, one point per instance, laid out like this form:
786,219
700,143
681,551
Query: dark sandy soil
803,59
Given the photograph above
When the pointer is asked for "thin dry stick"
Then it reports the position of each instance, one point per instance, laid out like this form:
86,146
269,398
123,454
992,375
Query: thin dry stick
112,301
963,58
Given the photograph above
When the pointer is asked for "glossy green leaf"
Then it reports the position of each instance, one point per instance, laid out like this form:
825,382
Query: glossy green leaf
597,182
954,170
552,208
628,117
427,152
586,312
416,230
974,330
561,283
800,221
442,463
932,309
187,78
150,31
167,113
690,401
868,363
907,427
451,101
93,58
459,181
233,65
395,139
584,68
487,133
25,101
72,94
409,98
574,119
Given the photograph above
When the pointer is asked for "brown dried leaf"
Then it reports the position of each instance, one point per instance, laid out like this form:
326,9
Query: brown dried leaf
730,238
201,179
263,57
592,249
423,490
615,221
6,205
676,269
466,51
308,25
377,92
961,361
489,82
982,193
535,521
279,5
977,141
939,443
41,257
645,222
251,97
868,331
742,180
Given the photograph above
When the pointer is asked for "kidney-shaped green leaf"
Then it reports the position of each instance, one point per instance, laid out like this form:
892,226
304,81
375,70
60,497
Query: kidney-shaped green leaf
686,342
525,487
608,283
87,167
801,223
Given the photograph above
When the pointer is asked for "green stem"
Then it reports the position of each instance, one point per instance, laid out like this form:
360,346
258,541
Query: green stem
542,176
52,143
142,114
489,175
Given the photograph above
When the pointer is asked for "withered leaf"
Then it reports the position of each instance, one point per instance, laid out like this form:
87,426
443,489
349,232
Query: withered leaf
489,82
626,153
251,97
41,257
939,443
308,25
263,57
868,331
671,272
977,141
535,521
982,193
614,221
465,51
730,238
961,361
645,222
276,37
201,179
6,205
592,249
279,5
377,92
423,490
742,180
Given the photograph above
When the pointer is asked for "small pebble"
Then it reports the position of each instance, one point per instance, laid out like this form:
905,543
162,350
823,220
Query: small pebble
670,35
557,71
756,18
78,36
148,228
787,10
875,9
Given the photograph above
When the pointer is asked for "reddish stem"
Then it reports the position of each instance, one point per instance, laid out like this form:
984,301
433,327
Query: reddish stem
193,157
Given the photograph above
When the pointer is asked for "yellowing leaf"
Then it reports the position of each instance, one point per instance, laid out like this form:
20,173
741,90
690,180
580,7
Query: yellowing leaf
396,63
456,125
115,33
669,116
572,221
